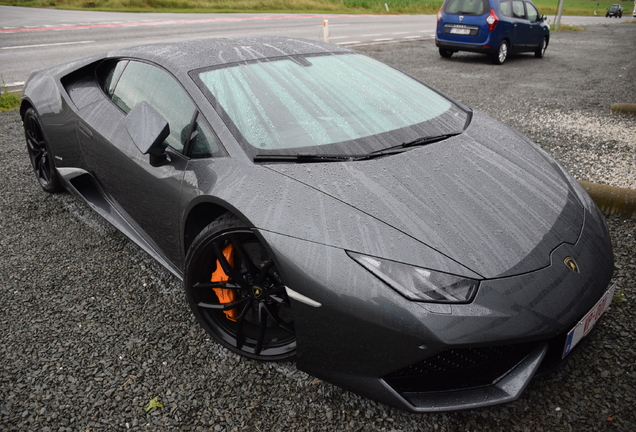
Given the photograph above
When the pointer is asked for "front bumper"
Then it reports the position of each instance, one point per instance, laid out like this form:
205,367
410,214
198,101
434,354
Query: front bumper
367,338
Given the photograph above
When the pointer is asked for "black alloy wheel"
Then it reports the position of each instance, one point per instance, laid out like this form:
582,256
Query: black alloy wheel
540,52
40,153
236,292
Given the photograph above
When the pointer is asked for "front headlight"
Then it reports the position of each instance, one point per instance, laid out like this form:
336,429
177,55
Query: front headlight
420,284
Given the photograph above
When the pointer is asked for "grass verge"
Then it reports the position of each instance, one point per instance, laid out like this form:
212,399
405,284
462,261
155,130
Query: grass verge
565,27
547,7
9,101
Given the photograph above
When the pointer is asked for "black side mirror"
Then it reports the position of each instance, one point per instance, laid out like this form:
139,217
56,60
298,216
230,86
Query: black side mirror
544,17
148,130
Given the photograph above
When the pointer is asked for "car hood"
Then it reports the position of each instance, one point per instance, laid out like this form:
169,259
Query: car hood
489,198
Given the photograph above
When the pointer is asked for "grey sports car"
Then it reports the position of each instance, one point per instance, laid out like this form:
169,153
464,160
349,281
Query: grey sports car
321,205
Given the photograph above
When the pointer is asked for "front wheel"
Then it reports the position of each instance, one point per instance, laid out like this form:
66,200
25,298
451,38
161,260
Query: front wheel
445,53
40,153
237,293
540,52
500,56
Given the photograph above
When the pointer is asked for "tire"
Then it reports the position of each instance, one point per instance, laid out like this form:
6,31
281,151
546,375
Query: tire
500,56
40,153
445,53
540,52
227,265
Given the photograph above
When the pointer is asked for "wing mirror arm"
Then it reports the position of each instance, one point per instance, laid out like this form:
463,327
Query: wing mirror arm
148,129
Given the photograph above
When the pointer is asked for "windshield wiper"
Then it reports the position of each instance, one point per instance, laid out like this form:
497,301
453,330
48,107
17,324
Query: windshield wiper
414,143
313,158
304,158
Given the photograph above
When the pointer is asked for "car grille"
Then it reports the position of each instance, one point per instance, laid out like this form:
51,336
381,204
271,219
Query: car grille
459,369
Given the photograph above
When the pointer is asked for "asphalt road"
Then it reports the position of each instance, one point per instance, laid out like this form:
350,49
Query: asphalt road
92,329
33,38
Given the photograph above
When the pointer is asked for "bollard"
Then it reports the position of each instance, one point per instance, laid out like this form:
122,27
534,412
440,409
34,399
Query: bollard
325,31
612,200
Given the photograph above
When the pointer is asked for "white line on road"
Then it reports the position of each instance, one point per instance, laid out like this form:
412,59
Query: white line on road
45,45
383,40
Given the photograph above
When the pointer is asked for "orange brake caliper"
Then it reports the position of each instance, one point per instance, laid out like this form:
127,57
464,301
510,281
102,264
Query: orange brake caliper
225,295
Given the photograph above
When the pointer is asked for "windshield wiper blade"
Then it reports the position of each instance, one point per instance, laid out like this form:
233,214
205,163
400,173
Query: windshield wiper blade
304,158
415,143
313,158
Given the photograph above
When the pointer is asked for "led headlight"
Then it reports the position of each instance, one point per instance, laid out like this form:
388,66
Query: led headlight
420,284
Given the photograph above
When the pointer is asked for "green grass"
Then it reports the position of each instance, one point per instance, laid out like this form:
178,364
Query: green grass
9,101
581,7
281,6
546,7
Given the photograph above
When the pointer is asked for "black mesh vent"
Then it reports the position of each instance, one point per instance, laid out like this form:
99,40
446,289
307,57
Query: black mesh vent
458,369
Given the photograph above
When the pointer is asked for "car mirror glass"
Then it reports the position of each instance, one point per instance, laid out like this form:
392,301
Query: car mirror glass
147,128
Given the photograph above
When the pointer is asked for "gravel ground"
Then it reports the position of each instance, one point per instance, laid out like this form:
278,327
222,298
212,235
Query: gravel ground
92,329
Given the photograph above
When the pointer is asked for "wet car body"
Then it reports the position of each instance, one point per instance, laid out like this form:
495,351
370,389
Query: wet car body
485,205
490,26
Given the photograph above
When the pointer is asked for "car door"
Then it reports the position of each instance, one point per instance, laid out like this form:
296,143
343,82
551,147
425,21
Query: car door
146,195
535,28
520,24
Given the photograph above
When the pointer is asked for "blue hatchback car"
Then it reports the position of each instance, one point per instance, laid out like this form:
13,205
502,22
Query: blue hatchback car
493,27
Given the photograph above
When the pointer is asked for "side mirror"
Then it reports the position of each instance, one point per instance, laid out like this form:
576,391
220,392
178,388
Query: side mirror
544,17
148,130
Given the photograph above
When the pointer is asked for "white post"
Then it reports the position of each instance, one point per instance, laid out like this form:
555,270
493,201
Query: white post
325,31
557,24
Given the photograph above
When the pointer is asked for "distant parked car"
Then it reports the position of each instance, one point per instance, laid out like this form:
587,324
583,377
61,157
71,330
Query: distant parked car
634,14
615,10
493,27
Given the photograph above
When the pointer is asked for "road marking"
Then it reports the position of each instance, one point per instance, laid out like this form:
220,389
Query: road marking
397,33
349,43
383,40
45,45
182,21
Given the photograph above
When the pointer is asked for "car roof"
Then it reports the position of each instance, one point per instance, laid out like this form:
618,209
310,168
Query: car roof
182,57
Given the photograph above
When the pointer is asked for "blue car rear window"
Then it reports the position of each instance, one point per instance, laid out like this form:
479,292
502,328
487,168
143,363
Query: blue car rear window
467,7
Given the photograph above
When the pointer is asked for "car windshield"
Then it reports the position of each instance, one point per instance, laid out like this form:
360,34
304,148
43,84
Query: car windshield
345,104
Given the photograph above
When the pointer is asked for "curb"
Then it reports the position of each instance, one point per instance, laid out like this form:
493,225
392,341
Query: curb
623,108
612,200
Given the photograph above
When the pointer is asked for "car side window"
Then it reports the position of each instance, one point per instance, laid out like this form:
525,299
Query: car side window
533,13
518,10
112,76
144,82
204,143
505,8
